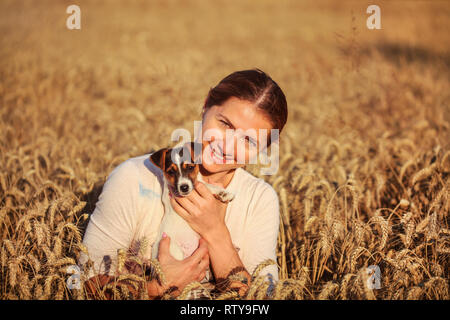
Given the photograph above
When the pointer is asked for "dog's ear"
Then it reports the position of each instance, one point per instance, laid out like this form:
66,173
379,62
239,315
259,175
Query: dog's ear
158,158
195,158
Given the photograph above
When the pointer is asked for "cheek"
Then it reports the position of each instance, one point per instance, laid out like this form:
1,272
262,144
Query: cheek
193,174
212,131
252,152
247,155
170,179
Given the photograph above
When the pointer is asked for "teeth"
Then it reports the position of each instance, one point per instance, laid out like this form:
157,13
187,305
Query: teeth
214,154
218,155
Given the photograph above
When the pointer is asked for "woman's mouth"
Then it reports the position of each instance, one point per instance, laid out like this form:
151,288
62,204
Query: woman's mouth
218,156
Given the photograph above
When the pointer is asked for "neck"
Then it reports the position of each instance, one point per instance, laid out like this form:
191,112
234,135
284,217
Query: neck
222,178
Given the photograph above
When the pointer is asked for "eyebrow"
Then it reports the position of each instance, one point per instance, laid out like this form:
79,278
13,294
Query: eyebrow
231,124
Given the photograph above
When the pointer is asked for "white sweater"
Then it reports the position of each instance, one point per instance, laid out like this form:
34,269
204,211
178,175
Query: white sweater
130,209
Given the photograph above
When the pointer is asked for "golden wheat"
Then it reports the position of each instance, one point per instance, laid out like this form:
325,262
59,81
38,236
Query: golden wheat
363,174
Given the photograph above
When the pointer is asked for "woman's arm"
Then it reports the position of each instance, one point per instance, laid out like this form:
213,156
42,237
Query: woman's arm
94,287
225,261
177,274
206,215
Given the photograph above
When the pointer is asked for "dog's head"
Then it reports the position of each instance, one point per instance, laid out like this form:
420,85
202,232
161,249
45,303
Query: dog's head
179,166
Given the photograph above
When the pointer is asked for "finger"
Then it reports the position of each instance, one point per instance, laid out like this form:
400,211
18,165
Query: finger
180,210
204,264
195,198
188,206
201,276
164,247
203,191
204,259
203,243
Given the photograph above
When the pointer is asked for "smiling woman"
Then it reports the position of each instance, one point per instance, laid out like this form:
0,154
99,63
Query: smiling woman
249,102
236,236
234,129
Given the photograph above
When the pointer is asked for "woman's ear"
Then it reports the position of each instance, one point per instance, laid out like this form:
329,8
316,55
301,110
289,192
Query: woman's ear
158,158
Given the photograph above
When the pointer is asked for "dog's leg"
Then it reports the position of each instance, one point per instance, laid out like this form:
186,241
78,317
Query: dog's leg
224,196
220,193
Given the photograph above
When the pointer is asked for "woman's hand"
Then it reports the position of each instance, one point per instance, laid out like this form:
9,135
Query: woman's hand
179,273
204,213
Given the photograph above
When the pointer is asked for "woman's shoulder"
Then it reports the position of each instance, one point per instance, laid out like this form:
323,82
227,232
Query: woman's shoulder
257,186
259,197
138,168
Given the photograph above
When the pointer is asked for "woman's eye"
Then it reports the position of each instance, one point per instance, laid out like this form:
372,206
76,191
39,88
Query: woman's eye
224,123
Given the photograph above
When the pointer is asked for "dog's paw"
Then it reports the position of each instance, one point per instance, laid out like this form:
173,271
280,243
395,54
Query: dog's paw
224,196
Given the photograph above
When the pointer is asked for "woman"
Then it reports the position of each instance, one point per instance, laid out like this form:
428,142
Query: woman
235,237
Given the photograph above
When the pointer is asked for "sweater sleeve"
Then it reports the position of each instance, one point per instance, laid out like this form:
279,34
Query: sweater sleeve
113,222
262,232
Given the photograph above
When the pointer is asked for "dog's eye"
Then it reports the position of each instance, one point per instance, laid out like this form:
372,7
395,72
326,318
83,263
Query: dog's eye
171,172
190,167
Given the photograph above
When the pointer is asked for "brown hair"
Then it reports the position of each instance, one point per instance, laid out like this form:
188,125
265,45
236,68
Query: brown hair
255,86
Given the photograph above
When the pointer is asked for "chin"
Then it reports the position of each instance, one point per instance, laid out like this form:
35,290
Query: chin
214,168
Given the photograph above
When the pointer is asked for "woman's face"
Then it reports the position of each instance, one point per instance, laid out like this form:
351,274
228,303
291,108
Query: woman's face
231,135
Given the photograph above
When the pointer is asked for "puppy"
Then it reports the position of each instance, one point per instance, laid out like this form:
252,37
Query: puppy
180,172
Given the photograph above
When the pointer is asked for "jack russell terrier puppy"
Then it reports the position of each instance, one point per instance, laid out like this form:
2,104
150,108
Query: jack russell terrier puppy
180,174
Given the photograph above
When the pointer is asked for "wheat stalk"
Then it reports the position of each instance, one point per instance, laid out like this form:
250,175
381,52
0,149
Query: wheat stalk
261,266
423,173
327,290
409,228
255,286
55,170
385,229
187,290
345,284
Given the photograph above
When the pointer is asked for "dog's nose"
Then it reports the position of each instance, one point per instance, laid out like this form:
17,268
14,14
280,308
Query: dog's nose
184,187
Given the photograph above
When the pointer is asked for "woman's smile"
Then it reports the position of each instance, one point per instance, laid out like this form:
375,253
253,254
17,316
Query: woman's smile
217,155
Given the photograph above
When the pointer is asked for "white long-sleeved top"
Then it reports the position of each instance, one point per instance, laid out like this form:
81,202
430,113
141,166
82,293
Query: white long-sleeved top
130,209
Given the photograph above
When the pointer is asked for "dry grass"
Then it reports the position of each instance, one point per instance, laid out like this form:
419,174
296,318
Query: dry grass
365,158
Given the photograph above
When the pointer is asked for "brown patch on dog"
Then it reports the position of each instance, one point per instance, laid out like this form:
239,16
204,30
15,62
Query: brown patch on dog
193,174
158,158
172,166
171,179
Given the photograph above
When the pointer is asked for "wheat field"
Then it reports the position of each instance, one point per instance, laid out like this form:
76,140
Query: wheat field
364,176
